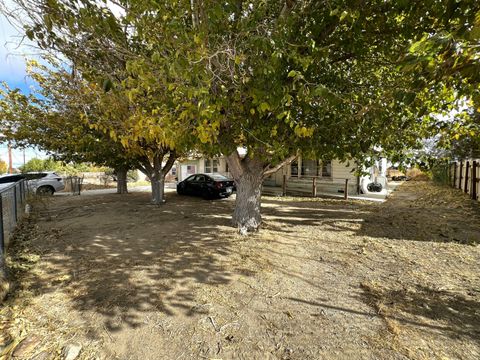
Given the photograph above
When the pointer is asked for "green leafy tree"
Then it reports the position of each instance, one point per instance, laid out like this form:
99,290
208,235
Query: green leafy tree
36,164
328,79
99,46
52,120
333,79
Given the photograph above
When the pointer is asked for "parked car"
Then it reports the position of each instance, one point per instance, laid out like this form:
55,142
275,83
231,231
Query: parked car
206,185
400,178
44,183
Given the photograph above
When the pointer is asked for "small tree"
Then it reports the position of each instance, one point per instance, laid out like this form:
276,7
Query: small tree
99,46
53,121
3,167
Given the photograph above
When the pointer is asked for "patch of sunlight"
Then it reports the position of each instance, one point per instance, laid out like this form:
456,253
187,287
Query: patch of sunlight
100,245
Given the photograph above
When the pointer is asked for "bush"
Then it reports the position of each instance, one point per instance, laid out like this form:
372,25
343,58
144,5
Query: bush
132,176
35,165
440,173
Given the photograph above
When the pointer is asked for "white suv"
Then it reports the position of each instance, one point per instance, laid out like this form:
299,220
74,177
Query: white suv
44,183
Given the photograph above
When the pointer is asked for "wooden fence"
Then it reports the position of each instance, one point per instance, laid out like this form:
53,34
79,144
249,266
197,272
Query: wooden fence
311,186
465,175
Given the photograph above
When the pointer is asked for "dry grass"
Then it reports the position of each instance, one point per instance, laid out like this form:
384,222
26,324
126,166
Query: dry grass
323,279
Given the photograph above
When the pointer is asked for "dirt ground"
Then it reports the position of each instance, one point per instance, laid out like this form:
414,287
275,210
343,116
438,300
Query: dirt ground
323,279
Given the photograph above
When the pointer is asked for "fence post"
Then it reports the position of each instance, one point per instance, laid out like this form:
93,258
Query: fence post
460,175
24,191
454,174
20,187
448,170
314,187
284,185
345,193
474,180
15,203
467,167
2,232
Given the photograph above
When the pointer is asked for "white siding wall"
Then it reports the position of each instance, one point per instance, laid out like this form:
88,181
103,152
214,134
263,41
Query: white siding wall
200,164
342,171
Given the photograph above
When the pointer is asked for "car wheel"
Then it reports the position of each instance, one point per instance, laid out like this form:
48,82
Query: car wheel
45,191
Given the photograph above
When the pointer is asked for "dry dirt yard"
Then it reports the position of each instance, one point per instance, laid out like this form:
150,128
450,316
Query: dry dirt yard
323,279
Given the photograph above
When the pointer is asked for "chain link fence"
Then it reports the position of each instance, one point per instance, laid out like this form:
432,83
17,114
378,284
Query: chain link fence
12,200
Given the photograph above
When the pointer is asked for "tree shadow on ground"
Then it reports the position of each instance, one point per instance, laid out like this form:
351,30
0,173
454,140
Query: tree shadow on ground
399,218
440,311
117,257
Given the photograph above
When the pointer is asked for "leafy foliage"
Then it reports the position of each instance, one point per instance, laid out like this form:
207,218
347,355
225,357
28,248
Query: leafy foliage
50,164
3,167
330,79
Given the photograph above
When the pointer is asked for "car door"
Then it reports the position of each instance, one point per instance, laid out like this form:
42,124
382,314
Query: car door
34,180
189,184
198,184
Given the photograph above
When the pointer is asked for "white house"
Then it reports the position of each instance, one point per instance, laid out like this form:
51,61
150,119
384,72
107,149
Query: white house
300,176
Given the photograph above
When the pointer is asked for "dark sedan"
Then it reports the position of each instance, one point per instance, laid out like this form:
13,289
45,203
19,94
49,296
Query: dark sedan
206,185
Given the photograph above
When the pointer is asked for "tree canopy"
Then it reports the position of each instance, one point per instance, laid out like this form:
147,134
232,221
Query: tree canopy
331,79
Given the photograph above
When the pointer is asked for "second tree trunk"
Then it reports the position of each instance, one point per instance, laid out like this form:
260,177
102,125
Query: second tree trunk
121,181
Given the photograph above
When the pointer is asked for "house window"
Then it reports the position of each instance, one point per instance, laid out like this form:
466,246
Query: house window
190,169
211,165
294,168
326,168
309,167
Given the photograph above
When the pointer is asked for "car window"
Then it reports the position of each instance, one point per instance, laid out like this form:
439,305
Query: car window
190,178
200,178
218,177
34,176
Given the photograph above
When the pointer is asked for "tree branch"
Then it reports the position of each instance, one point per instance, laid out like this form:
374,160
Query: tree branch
235,164
269,171
171,160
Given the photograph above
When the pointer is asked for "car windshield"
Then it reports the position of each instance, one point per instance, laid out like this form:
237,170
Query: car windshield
218,177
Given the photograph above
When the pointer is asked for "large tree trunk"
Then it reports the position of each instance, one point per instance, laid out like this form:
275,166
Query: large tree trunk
248,176
152,167
246,216
121,180
157,182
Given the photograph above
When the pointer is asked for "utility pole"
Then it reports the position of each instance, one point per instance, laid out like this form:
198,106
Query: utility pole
10,166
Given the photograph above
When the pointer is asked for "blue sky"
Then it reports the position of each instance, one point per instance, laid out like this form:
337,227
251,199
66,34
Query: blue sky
12,71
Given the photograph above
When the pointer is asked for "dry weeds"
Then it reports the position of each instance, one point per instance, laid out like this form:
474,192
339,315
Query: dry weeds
323,279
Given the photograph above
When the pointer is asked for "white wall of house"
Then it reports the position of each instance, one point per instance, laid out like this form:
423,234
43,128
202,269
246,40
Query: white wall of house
202,165
343,170
339,171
